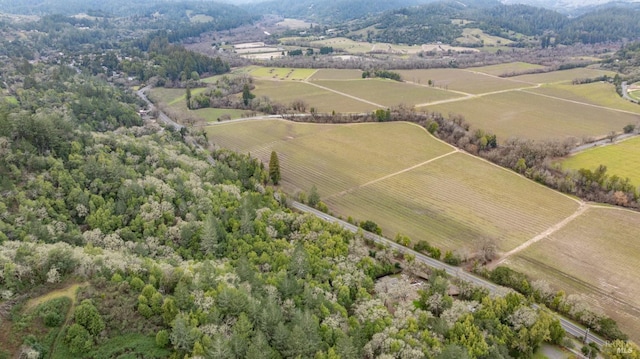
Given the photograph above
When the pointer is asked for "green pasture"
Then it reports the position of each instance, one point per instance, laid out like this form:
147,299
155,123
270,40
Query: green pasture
456,200
622,159
388,93
467,81
595,254
526,115
213,114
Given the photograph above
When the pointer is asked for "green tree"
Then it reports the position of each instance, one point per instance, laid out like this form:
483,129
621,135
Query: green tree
78,339
86,314
314,196
274,168
188,97
247,96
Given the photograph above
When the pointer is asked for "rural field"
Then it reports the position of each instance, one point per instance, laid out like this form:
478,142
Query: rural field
563,76
622,159
477,36
342,43
595,93
282,73
467,81
402,178
337,74
501,69
535,116
387,93
322,99
334,158
595,254
176,99
456,200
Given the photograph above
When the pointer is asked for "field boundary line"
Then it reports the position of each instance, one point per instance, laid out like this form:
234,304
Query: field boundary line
390,175
310,76
549,231
580,103
344,94
474,96
498,77
438,88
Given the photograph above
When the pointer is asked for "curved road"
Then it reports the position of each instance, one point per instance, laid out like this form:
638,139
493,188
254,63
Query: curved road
569,326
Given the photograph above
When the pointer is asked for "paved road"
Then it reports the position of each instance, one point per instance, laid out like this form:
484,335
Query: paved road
625,94
169,122
570,327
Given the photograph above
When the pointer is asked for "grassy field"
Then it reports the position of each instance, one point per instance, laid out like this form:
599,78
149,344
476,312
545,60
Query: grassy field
455,201
323,100
460,80
563,76
332,157
342,43
388,92
510,67
477,36
282,73
337,74
621,159
525,115
596,93
213,114
596,254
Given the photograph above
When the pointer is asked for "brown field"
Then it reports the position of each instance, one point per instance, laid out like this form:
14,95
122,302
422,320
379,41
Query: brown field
563,76
456,200
388,93
461,80
596,254
525,115
336,74
510,67
323,100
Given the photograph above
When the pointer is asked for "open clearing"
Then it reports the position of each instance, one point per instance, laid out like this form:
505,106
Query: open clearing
388,92
460,80
476,36
455,201
527,115
322,100
69,291
595,93
342,43
622,159
596,254
334,158
450,201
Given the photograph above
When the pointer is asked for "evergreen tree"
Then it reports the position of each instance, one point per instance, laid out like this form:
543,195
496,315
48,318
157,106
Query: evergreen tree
274,168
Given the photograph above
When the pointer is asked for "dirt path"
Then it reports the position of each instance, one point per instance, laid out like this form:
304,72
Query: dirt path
390,175
549,231
345,94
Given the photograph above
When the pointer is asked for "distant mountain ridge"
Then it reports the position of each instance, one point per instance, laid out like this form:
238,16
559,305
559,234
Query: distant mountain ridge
572,6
